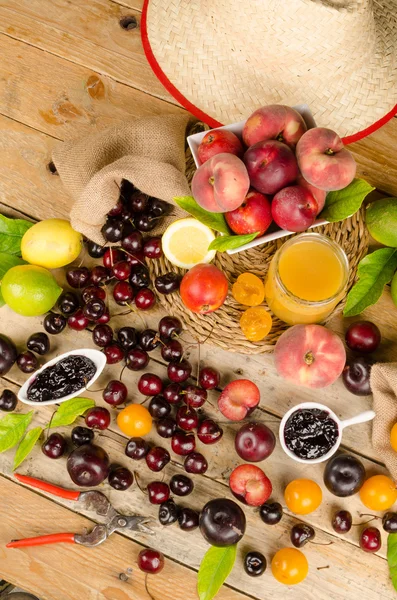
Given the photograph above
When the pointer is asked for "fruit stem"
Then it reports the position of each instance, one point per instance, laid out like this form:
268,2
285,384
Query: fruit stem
198,362
374,517
309,358
147,589
211,180
137,479
329,151
321,543
319,568
122,371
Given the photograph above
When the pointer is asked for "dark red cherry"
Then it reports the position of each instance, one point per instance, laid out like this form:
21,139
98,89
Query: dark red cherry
81,435
254,564
145,299
123,292
168,512
187,418
159,407
136,359
68,303
95,250
181,485
179,371
100,275
139,277
97,417
209,432
168,283
102,335
93,292
150,561
150,384
342,521
78,278
139,202
157,458
146,222
27,362
94,309
148,340
172,351
183,443
114,353
172,393
78,321
115,392
121,270
152,248
8,401
137,448
188,519
159,208
169,327
113,230
112,256
133,242
196,463
271,513
116,210
301,534
370,539
38,343
166,427
159,492
209,378
363,336
54,323
54,446
127,337
120,478
194,396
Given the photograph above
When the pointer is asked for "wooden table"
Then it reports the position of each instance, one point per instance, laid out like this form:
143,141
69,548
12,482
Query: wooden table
67,68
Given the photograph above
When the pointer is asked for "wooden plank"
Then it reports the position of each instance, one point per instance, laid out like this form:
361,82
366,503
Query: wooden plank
72,572
88,34
51,94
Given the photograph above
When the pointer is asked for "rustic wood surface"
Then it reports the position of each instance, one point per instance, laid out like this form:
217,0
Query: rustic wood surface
68,68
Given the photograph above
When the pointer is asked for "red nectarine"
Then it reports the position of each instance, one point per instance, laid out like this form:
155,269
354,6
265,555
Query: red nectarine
253,215
271,166
218,141
294,208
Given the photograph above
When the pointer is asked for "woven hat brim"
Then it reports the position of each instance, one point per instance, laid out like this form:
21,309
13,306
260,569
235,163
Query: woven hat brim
216,87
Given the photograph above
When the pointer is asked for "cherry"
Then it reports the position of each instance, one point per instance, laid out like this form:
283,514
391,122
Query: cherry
150,384
148,340
168,283
169,327
342,521
68,303
196,463
78,278
146,222
81,436
113,230
139,202
271,513
168,512
389,522
187,418
209,432
172,393
120,478
157,458
102,335
123,292
356,376
133,242
181,485
114,353
152,248
97,417
127,337
100,275
54,323
172,351
8,401
136,258
54,446
39,343
254,564
159,492
94,309
95,250
370,539
209,378
27,362
105,317
111,257
183,443
159,407
139,276
115,392
137,448
116,210
188,519
166,427
145,299
78,321
301,534
159,208
194,396
179,371
93,292
127,217
150,561
222,522
363,336
136,359
121,270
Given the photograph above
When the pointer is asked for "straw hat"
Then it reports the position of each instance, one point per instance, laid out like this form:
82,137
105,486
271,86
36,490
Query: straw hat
222,59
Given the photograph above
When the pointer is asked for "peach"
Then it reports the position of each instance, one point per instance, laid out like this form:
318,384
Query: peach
319,195
309,355
274,122
324,161
253,215
218,141
221,183
294,208
271,166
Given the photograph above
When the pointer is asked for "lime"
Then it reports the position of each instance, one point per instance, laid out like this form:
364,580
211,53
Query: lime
30,290
51,244
381,221
394,289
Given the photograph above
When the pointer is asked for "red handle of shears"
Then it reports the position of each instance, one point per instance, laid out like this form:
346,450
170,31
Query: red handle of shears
43,540
48,487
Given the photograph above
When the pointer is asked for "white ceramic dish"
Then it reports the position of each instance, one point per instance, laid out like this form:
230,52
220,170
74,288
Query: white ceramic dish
97,357
237,128
368,415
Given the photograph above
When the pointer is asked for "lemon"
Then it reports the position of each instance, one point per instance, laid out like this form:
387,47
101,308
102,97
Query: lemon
185,243
52,243
30,290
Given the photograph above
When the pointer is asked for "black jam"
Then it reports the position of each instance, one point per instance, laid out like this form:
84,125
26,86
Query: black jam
310,433
65,377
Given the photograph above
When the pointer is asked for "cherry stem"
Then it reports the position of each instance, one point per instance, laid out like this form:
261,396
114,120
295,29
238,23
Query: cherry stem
209,335
319,568
122,371
198,362
145,400
93,391
49,424
133,256
137,479
127,312
374,517
147,589
321,543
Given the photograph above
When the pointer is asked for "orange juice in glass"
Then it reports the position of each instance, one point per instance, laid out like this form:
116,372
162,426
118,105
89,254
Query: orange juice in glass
307,278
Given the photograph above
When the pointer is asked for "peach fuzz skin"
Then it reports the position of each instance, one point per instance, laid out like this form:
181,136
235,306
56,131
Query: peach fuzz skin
221,184
324,161
319,195
309,355
218,141
274,122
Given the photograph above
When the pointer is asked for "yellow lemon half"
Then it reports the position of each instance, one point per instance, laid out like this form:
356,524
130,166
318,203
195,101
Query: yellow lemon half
185,243
52,243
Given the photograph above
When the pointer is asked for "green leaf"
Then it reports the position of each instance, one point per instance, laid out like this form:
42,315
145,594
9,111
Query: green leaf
12,428
215,568
344,203
68,411
231,242
213,220
11,234
26,446
392,557
7,261
374,271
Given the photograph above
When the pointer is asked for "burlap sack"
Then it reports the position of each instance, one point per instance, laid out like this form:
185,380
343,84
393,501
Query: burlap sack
149,152
384,389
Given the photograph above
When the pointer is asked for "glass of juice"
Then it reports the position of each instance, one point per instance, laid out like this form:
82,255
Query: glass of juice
307,278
